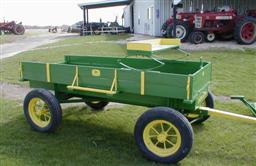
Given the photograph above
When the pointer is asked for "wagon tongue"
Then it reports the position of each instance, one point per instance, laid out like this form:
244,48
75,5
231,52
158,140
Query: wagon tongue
233,116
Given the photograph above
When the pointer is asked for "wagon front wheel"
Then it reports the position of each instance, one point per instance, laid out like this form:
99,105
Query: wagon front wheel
42,110
97,105
164,135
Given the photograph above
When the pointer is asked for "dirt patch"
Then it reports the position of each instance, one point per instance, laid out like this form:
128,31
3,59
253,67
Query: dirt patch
29,42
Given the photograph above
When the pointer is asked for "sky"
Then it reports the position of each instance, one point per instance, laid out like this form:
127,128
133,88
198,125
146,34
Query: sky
53,12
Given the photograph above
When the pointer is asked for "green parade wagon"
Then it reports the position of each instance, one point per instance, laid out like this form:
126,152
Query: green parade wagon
176,92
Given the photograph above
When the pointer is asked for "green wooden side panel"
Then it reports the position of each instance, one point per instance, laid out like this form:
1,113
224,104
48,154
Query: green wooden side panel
34,71
129,81
62,73
169,81
102,81
201,80
166,85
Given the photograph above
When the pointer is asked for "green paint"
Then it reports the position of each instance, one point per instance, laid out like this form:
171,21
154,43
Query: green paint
164,86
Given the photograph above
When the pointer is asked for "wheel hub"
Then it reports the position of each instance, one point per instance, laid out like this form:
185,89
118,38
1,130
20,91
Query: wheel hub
162,137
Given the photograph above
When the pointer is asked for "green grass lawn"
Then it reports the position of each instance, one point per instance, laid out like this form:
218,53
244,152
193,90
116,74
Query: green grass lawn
106,138
88,138
233,71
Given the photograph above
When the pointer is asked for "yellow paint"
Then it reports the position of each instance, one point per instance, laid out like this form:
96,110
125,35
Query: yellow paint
188,88
91,90
48,75
142,83
229,115
21,70
162,138
95,72
39,112
139,46
152,44
170,42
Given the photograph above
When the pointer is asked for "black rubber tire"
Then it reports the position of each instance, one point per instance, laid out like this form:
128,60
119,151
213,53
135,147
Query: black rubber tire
209,101
184,25
54,107
172,116
164,29
18,29
99,106
197,37
237,33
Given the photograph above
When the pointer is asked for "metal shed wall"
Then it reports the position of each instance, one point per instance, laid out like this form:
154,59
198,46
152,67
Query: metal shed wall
240,5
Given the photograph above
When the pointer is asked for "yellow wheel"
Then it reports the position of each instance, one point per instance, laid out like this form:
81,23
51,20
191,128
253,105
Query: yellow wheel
163,135
42,110
162,138
39,112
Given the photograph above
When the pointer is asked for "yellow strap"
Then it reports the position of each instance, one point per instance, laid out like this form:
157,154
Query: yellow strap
142,83
21,70
188,88
91,90
48,76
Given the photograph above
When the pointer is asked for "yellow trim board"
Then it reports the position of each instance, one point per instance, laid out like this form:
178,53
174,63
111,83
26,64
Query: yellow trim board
188,87
139,46
142,83
48,74
170,42
229,115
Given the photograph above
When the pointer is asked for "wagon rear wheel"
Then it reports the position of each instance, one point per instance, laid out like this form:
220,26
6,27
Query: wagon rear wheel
42,110
208,102
163,135
97,105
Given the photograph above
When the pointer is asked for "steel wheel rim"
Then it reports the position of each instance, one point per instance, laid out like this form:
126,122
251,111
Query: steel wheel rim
162,138
248,31
39,112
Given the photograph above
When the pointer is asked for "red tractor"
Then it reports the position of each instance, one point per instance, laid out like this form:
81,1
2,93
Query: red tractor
223,22
12,27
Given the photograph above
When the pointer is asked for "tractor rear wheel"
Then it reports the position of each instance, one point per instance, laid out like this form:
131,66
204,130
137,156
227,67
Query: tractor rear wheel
245,32
197,37
18,29
163,135
182,31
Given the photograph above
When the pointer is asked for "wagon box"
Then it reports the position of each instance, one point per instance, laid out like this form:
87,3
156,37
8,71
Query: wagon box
175,83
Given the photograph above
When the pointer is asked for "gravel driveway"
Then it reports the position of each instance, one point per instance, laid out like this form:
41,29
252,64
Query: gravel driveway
39,38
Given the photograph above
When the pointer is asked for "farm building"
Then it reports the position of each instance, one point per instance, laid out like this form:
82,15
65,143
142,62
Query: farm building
147,16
